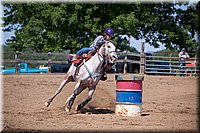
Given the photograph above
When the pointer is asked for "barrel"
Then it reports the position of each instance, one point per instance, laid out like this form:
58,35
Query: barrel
128,94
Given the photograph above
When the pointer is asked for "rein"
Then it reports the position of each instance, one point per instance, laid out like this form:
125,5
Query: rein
104,56
93,76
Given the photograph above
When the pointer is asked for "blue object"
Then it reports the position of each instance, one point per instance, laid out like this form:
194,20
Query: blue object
109,31
23,68
129,97
83,51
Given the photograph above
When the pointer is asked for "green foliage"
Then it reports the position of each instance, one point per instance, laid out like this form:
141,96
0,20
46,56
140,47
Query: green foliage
122,45
44,27
166,53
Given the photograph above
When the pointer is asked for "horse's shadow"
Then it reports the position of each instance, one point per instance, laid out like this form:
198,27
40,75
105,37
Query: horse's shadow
93,110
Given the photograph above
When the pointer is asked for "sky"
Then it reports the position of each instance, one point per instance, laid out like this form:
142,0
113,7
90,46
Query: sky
147,48
134,43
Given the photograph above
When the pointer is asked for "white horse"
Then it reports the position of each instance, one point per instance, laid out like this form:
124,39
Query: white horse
87,75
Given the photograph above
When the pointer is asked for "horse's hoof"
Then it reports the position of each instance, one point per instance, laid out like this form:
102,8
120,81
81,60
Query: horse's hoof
47,104
67,109
77,108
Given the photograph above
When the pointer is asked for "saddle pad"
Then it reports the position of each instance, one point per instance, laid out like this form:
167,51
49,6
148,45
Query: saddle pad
79,62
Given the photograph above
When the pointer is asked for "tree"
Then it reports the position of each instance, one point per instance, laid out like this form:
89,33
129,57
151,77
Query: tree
189,21
57,27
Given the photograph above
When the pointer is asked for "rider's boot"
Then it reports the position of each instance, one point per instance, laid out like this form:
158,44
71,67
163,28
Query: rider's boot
76,57
103,77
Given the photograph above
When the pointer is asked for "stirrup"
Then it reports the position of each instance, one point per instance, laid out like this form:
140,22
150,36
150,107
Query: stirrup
85,55
103,77
76,58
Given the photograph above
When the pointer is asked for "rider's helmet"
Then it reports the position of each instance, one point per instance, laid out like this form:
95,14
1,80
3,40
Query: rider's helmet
109,31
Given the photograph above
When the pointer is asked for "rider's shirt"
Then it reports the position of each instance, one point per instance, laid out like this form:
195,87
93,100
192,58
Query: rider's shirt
183,56
97,42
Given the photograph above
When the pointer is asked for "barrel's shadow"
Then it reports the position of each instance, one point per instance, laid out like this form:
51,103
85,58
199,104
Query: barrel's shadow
93,110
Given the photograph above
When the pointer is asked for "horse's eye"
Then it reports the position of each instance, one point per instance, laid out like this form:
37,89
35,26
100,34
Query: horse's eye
109,47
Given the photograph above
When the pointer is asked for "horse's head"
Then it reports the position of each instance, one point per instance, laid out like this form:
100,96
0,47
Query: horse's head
108,51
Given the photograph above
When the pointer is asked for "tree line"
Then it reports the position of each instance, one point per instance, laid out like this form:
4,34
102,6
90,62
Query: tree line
56,27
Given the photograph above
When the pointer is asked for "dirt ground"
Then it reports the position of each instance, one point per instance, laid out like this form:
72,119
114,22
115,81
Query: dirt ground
169,103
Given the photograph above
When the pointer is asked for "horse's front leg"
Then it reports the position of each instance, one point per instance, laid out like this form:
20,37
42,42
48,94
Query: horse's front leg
78,89
63,83
90,94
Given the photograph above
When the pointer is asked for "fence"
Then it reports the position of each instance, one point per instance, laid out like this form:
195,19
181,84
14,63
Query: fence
157,65
162,65
130,62
127,63
11,59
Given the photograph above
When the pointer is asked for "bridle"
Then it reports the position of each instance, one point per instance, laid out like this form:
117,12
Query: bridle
104,55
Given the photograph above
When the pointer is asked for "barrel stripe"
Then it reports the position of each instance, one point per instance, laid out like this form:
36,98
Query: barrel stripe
134,97
132,85
127,90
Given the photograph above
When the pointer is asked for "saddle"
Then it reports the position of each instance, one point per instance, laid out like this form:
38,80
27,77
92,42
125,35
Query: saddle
78,60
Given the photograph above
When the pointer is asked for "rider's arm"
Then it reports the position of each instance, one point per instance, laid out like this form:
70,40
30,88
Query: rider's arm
187,55
97,42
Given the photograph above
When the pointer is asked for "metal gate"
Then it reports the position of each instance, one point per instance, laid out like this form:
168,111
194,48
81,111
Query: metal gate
160,65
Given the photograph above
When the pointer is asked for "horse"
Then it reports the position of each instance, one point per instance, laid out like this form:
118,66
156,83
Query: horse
87,75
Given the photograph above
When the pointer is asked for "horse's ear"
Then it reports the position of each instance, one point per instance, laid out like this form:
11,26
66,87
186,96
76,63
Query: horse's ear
113,42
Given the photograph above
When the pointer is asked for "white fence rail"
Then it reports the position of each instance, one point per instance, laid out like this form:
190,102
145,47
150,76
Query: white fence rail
160,65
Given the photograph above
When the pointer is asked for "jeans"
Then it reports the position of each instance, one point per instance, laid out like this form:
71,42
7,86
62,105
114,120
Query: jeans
83,51
182,68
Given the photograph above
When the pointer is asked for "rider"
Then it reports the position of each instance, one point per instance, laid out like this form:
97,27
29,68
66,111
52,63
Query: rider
106,36
97,43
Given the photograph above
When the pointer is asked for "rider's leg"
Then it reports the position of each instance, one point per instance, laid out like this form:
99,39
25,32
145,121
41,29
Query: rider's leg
83,51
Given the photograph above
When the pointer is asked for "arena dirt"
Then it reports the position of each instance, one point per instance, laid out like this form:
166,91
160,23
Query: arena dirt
169,103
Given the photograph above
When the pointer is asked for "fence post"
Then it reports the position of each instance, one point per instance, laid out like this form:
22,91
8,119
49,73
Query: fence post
16,61
142,59
196,63
49,61
125,63
170,62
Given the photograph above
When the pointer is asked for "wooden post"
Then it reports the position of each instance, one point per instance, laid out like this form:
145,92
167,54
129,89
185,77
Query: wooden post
142,59
125,63
16,61
49,61
170,62
196,63
129,40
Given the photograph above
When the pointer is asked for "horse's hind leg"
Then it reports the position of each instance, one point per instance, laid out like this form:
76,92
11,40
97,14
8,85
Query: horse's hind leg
90,94
78,89
63,83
